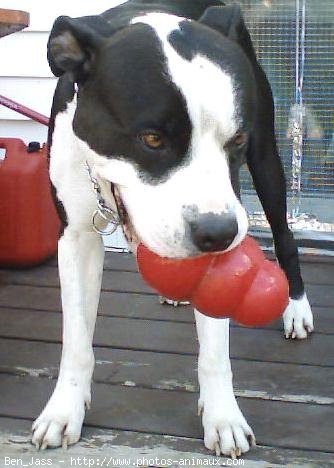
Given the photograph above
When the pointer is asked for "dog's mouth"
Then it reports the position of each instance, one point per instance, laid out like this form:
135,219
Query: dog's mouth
129,231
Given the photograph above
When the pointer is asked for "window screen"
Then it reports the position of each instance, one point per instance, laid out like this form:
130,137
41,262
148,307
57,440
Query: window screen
294,40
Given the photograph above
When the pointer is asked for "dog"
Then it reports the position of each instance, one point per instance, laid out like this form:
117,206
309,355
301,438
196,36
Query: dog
164,101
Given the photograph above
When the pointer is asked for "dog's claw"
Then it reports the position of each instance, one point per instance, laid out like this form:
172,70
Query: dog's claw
65,443
44,445
252,440
217,449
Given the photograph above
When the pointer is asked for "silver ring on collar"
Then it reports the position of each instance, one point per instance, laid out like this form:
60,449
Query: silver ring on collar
106,213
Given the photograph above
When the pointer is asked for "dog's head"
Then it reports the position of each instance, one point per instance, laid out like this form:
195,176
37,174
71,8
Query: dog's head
164,111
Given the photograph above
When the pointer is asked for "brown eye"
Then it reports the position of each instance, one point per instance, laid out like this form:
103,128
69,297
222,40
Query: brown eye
239,138
152,140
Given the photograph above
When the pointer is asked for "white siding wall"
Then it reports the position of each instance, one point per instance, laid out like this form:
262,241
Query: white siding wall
24,72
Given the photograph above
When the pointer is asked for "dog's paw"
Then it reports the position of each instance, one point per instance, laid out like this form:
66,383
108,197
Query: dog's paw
60,422
226,431
164,300
298,318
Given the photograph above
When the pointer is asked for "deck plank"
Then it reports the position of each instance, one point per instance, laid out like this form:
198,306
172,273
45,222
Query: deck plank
47,276
169,337
262,380
313,273
320,295
173,413
314,268
15,434
140,306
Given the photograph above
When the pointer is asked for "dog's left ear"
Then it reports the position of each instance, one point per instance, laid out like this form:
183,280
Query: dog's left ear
229,21
72,46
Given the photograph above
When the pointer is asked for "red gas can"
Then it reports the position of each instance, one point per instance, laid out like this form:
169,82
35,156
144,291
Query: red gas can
29,224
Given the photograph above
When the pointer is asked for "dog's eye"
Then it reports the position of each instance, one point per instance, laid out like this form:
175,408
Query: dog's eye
239,138
152,140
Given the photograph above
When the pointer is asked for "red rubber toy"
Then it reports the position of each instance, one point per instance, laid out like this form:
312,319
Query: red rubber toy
240,284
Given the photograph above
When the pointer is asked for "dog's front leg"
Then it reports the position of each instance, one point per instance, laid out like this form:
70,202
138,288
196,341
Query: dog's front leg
268,176
225,428
80,256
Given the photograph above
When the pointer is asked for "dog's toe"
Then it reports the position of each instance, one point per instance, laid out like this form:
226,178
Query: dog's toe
298,318
39,431
61,420
228,443
51,437
229,439
53,433
226,430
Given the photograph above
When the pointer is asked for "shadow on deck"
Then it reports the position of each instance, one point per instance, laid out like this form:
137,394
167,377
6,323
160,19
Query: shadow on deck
145,386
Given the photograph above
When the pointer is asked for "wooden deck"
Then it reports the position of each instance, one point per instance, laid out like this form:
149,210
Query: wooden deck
145,387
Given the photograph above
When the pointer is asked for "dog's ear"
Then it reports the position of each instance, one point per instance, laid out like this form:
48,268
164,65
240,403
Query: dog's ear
73,44
229,21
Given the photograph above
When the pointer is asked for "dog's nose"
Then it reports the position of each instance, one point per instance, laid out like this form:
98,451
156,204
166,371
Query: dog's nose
213,233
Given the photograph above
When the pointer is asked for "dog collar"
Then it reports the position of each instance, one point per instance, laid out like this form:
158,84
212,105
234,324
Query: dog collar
103,211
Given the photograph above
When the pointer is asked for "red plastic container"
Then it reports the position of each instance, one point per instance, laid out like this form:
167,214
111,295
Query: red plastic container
29,224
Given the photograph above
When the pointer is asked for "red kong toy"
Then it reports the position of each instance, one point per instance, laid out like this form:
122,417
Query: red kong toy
240,284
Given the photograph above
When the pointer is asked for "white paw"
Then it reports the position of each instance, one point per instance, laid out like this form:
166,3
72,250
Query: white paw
60,422
298,318
226,431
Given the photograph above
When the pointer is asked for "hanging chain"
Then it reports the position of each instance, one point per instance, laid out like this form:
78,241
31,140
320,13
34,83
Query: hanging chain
297,130
297,156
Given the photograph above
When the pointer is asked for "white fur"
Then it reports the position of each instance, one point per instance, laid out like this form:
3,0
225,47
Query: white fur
67,161
298,318
162,23
225,428
80,265
80,256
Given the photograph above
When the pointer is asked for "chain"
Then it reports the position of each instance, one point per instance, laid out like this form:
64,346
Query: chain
103,211
297,155
298,124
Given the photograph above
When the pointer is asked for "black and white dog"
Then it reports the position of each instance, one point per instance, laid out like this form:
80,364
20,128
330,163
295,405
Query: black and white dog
165,100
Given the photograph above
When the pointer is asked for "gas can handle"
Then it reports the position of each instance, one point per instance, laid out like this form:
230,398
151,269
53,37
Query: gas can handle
14,144
3,143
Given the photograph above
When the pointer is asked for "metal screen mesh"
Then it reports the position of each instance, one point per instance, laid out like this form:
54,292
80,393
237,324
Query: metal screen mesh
318,151
277,28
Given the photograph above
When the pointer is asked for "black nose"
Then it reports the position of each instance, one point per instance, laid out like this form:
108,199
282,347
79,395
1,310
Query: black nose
213,233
